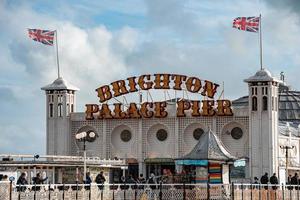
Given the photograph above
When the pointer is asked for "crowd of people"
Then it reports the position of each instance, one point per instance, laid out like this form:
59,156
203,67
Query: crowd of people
273,180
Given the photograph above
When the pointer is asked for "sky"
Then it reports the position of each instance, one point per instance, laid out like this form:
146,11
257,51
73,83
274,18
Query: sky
103,41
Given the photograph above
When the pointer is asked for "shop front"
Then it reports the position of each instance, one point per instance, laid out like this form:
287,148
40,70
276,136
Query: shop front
157,166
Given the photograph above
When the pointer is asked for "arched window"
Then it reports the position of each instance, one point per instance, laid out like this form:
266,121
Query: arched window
51,110
254,104
60,110
265,103
68,109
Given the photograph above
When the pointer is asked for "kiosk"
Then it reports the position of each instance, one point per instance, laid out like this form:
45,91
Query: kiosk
208,162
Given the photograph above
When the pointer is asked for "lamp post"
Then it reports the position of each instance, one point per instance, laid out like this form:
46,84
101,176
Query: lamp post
287,148
84,137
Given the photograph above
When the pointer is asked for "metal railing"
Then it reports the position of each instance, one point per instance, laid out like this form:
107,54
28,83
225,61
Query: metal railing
234,191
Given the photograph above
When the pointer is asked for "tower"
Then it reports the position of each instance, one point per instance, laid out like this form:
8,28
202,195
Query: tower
60,102
263,123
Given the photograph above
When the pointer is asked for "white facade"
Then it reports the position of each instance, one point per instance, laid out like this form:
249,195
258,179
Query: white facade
251,133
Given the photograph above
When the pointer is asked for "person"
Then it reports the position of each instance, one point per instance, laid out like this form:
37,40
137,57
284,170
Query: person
264,180
22,181
289,179
131,182
141,180
5,178
152,181
88,180
38,180
130,179
294,180
100,179
256,183
289,182
123,182
274,180
164,177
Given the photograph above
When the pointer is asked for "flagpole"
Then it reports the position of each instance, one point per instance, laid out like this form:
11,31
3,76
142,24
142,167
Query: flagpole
57,59
260,42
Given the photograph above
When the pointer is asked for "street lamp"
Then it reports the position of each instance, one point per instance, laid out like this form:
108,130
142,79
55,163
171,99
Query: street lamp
88,136
287,148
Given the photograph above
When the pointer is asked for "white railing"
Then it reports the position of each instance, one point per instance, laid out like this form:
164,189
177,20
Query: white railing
149,191
117,191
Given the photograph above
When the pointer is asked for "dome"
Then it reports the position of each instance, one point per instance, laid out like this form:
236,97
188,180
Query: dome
60,84
262,76
289,106
263,73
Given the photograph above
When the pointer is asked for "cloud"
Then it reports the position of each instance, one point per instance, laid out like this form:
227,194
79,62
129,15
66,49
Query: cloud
88,58
291,5
14,140
192,38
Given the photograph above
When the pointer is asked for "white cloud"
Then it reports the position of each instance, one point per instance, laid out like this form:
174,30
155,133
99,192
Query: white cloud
193,39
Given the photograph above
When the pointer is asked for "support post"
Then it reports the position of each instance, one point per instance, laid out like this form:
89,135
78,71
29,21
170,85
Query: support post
232,191
84,160
49,194
10,190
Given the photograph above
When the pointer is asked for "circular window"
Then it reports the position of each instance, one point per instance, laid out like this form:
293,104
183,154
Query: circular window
161,135
197,133
236,133
125,135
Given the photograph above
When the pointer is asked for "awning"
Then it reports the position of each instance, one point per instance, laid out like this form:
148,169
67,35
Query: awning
159,161
131,161
192,162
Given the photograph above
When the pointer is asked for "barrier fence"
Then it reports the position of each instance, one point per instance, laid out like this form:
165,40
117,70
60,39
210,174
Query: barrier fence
234,191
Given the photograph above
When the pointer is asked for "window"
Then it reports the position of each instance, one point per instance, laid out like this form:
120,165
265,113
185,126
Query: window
254,104
265,103
237,133
197,133
72,108
266,91
256,91
161,135
125,135
68,109
273,103
60,110
263,91
51,110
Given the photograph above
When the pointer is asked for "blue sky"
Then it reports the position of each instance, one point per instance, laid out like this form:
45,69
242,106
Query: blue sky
132,37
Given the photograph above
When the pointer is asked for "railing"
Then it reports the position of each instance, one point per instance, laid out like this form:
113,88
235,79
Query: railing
89,160
9,191
265,192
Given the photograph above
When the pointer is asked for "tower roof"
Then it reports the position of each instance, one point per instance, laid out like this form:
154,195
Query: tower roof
209,147
60,84
262,75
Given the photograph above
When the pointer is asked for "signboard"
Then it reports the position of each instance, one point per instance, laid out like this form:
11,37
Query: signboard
205,107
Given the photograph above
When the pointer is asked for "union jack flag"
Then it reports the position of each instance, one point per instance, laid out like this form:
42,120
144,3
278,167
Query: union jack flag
44,36
246,23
